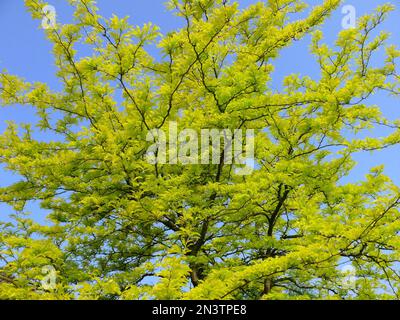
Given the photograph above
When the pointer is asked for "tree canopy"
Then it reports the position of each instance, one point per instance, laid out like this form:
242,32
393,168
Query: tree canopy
120,227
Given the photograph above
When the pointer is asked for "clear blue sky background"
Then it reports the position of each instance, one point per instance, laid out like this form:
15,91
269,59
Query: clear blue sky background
24,51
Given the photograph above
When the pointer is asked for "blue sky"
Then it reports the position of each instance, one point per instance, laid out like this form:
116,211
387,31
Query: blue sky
26,52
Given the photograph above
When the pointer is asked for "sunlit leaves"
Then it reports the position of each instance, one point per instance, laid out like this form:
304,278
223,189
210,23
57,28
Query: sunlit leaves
119,227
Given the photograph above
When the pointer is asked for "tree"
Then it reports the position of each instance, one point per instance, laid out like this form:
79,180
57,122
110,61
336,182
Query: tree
121,227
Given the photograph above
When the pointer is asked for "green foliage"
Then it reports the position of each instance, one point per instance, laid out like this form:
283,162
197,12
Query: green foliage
122,228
